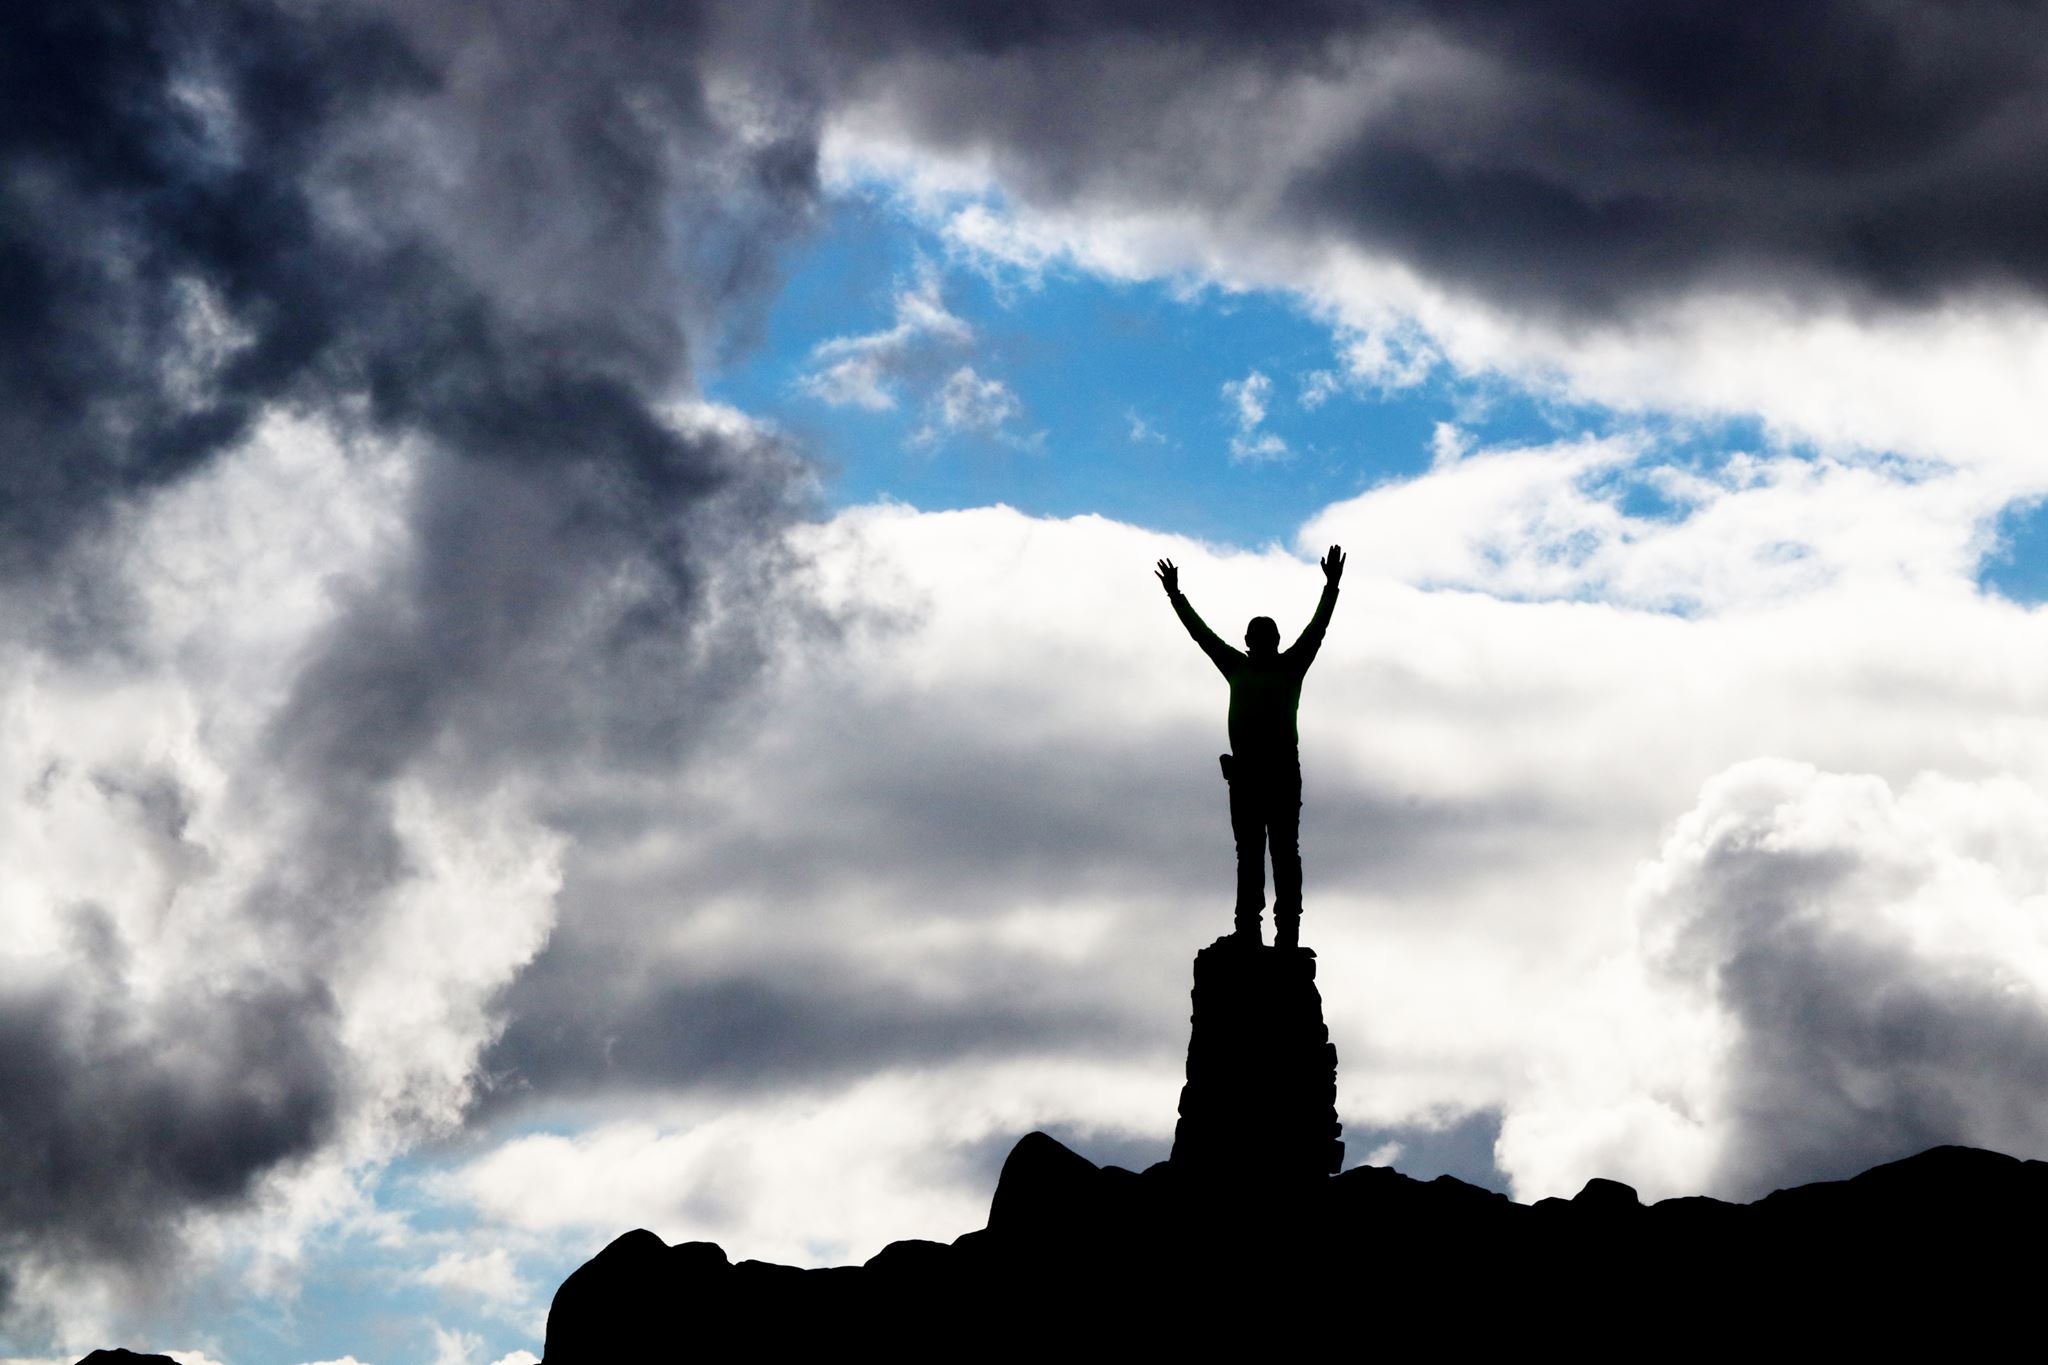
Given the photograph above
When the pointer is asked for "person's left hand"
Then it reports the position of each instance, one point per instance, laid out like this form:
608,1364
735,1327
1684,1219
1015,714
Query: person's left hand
1168,576
1333,565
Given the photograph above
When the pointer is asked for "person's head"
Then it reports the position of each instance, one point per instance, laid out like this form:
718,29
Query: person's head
1262,637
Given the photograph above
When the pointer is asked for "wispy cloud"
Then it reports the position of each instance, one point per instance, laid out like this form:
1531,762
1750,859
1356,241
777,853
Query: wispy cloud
970,402
866,371
1246,399
1319,387
1142,432
881,371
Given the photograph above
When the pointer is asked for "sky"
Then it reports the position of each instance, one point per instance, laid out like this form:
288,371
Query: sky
578,648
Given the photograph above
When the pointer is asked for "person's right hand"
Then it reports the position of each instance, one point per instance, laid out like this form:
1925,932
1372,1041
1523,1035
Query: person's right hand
1168,576
1333,565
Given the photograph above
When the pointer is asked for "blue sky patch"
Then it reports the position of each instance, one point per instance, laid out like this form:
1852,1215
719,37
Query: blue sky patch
2018,568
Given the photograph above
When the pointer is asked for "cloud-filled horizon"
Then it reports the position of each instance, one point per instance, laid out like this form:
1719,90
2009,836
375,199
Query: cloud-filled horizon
577,647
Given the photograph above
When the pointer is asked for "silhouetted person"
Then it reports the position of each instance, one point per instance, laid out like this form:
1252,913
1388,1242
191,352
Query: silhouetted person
1264,765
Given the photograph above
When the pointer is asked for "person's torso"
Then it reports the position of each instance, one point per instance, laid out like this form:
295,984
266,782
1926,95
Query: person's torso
1265,694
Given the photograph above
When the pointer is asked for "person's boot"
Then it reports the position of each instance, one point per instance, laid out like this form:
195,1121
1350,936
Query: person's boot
1287,931
1248,929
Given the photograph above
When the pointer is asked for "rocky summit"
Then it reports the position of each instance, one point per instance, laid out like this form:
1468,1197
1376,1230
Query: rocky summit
1261,1092
1922,1254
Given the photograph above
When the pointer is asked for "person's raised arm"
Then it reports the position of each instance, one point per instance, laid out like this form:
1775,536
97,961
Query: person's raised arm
1220,654
1304,649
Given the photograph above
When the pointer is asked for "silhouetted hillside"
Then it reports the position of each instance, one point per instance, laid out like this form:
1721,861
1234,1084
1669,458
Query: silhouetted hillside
1930,1252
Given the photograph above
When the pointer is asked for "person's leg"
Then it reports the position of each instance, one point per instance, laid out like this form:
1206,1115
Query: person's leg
1283,824
1248,827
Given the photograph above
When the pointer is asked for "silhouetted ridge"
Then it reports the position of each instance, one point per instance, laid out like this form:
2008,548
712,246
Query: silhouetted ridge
1261,1095
1920,1252
121,1356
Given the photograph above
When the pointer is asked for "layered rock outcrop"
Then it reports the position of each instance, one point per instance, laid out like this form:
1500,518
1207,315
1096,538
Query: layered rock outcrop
1261,1093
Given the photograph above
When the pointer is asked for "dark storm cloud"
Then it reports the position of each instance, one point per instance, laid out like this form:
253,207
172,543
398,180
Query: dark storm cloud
1637,149
497,232
1855,1054
751,1032
1572,159
1245,29
210,207
133,216
107,1141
